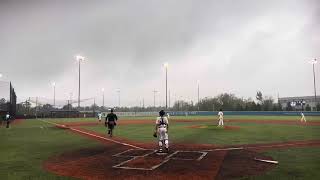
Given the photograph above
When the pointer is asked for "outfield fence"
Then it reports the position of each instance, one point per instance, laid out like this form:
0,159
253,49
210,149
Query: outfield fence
211,113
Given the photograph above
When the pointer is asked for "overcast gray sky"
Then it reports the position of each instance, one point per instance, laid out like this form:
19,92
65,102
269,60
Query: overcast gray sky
229,46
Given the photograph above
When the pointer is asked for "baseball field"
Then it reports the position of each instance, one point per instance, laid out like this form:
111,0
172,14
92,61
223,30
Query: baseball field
247,147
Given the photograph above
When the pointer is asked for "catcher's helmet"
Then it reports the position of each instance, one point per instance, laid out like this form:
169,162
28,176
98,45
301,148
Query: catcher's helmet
162,113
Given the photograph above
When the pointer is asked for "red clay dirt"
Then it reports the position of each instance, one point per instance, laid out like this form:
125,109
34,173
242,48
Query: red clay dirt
98,163
106,163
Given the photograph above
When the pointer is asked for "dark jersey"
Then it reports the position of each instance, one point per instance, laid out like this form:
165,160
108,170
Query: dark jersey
111,117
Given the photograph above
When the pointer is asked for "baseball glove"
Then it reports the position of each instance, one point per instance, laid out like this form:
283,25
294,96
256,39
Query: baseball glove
155,134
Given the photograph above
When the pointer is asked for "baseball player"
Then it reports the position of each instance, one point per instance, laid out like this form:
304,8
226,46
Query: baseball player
99,116
161,129
168,115
220,114
303,119
111,122
7,118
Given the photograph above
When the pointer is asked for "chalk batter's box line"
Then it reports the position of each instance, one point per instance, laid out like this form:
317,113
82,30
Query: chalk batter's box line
203,154
224,149
119,166
278,145
258,146
121,153
132,158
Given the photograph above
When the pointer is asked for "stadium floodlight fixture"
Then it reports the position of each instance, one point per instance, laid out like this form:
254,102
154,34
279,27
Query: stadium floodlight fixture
1,75
314,61
80,58
166,65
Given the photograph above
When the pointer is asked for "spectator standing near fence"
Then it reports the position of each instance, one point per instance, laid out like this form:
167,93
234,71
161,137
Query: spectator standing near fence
7,119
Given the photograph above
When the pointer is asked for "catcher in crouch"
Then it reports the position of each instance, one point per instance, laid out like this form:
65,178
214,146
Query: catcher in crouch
161,130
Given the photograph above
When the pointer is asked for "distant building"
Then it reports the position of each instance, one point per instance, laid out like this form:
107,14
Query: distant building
299,103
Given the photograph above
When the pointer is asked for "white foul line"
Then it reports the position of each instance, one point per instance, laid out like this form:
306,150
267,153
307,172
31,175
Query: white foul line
223,149
93,135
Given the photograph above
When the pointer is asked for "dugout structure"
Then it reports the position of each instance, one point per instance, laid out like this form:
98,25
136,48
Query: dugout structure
8,99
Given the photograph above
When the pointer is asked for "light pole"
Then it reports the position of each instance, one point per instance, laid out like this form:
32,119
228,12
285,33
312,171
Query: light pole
79,59
1,75
54,94
102,97
154,98
198,82
313,62
166,66
169,99
118,91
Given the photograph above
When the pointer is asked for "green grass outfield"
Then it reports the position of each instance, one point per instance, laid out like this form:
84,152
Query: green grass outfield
25,146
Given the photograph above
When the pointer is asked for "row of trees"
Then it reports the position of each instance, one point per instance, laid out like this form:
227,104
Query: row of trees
229,102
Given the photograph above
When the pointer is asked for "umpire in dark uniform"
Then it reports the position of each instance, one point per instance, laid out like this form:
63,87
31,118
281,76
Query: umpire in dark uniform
111,122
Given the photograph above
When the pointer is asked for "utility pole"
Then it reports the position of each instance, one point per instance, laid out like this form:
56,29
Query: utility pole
169,98
198,95
118,90
143,103
79,59
94,106
314,81
36,107
166,67
154,98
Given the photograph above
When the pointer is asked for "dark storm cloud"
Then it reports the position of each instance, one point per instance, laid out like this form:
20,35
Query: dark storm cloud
126,43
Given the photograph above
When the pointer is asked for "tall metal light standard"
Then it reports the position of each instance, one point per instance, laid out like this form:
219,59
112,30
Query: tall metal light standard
313,62
54,94
166,66
198,82
118,91
169,99
154,98
102,97
79,59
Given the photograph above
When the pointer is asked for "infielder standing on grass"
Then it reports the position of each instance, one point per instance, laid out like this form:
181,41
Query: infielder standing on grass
220,114
161,129
111,122
303,119
99,116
